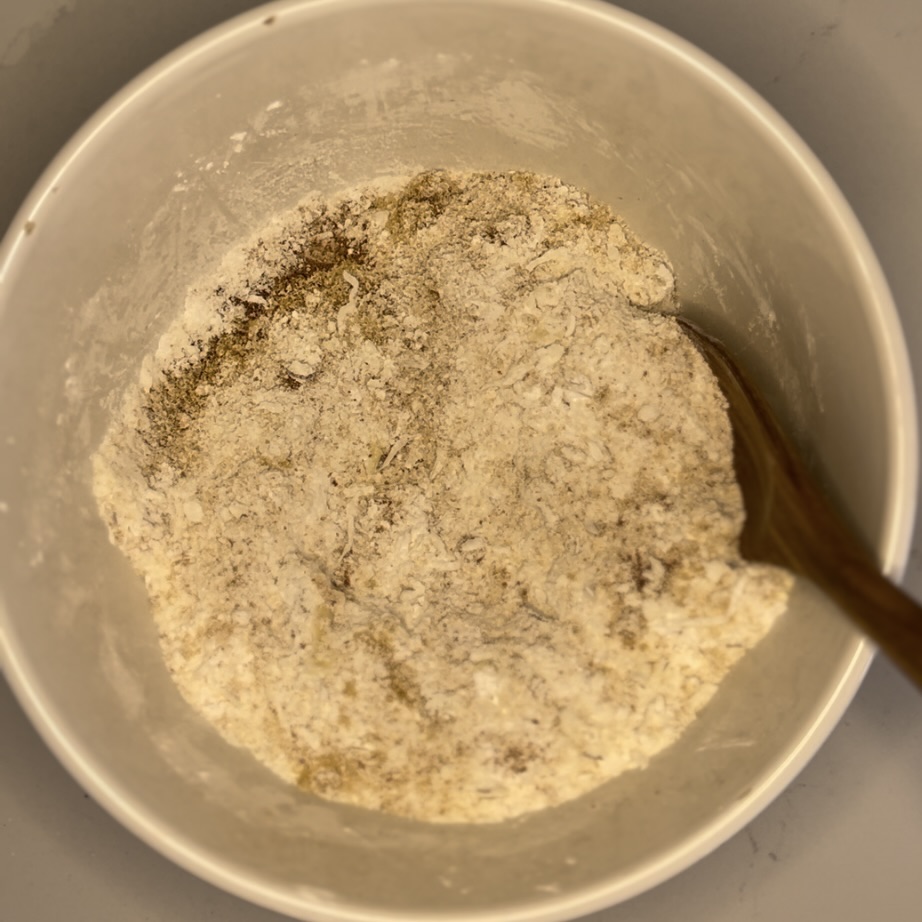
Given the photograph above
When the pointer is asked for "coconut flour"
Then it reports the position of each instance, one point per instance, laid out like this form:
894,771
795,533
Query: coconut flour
435,516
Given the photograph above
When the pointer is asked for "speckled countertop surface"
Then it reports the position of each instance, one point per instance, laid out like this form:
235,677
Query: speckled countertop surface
844,842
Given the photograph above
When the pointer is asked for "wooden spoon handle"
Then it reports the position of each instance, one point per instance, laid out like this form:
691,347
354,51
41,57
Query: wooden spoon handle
851,578
792,522
795,523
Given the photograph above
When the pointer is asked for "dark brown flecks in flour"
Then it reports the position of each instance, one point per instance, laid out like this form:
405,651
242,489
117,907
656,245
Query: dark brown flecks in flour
435,515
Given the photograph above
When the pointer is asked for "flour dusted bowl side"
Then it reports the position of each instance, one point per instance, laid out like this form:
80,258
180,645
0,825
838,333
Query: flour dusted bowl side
198,156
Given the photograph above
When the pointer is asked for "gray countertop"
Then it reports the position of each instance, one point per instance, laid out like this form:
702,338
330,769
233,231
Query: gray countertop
844,842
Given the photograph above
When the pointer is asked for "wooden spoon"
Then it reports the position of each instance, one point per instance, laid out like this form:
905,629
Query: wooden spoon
791,522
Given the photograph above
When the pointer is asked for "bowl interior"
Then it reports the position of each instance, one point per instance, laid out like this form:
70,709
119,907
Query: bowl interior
195,158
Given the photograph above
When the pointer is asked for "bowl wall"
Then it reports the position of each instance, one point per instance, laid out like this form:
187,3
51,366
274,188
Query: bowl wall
197,156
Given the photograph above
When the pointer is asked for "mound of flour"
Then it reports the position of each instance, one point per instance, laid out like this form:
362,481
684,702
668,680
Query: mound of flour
435,517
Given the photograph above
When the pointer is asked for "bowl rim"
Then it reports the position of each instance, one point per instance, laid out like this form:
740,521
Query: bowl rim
894,545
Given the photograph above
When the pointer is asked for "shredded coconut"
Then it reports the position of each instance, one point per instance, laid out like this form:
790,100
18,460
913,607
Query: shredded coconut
433,518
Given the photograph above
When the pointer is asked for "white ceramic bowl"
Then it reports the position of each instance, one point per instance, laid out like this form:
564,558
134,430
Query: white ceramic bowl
196,155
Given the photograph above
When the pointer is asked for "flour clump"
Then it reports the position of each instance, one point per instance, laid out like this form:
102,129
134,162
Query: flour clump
436,516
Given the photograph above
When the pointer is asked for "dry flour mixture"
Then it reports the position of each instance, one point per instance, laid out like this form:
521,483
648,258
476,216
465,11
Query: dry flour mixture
433,518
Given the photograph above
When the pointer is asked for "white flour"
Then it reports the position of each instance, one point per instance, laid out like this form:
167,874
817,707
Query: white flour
433,519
